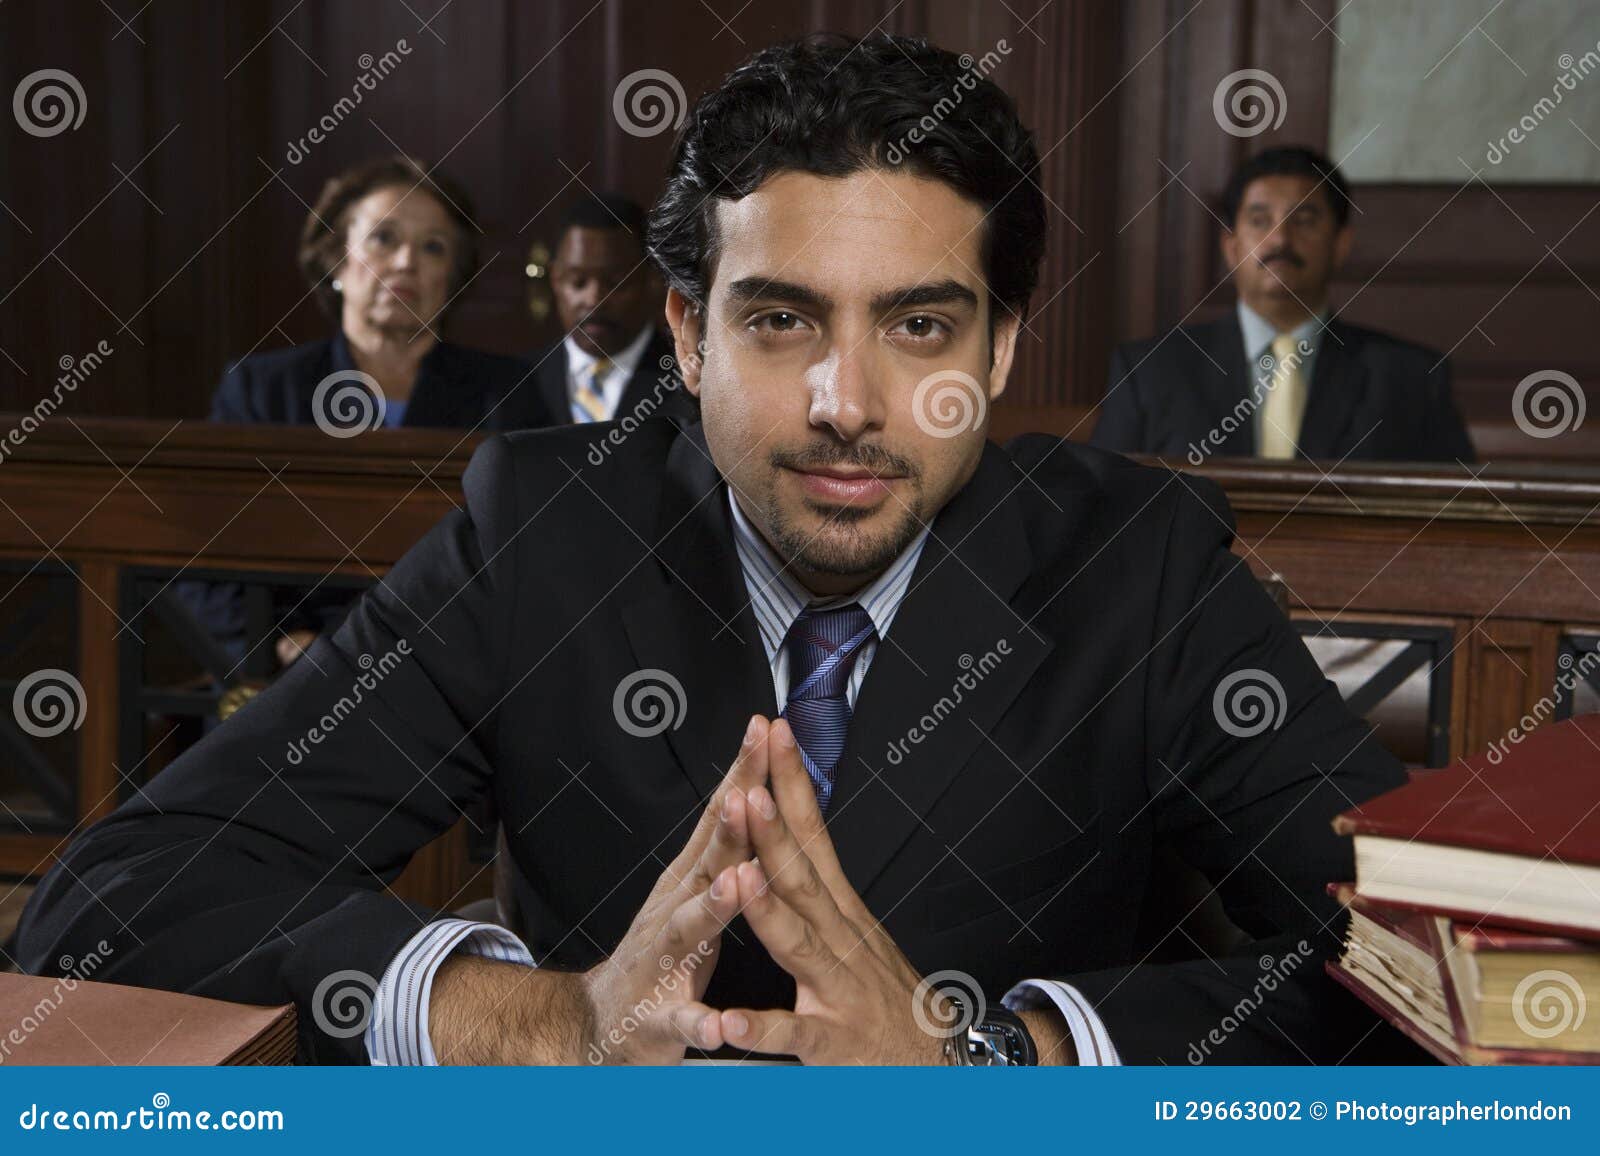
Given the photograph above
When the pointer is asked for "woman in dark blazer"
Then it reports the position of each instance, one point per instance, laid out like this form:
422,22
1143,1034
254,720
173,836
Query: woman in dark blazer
387,250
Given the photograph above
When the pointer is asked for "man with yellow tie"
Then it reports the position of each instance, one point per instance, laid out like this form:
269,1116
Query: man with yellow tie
613,363
1284,376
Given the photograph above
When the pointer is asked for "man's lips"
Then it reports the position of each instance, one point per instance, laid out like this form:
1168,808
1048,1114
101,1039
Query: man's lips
844,487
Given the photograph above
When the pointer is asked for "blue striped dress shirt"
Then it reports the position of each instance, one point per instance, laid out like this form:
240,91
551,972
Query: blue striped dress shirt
398,1030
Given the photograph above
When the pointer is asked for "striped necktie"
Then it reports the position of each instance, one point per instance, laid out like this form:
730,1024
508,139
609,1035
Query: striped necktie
822,647
588,403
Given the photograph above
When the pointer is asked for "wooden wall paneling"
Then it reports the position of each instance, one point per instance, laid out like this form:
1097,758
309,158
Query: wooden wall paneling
98,671
1510,662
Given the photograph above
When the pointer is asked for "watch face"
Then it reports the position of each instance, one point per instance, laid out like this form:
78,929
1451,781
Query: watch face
1001,1040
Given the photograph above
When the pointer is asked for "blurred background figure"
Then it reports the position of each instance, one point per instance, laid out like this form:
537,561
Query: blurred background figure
616,360
1282,377
388,250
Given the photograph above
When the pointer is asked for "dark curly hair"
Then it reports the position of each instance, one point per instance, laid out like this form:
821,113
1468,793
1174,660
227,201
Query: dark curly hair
322,237
834,105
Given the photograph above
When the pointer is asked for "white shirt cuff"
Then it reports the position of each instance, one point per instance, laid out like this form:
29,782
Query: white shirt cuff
1089,1035
397,1030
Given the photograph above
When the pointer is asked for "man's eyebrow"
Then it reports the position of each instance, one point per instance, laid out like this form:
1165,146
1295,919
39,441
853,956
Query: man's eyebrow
748,289
946,292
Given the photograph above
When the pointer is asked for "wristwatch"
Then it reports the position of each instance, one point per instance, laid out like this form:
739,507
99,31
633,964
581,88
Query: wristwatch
997,1038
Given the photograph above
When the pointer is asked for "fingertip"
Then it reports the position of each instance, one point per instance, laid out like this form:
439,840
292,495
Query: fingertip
781,734
760,799
735,1025
724,887
709,1030
752,880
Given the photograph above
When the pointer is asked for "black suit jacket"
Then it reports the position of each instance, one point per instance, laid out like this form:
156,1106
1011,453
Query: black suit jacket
456,387
654,389
1041,725
1373,397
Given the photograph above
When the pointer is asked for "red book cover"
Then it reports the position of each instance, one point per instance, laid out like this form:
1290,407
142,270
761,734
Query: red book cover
1536,798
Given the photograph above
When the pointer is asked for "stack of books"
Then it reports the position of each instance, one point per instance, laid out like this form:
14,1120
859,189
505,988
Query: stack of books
1475,914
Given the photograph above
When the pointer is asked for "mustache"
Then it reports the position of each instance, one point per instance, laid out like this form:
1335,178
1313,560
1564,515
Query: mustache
1285,255
864,456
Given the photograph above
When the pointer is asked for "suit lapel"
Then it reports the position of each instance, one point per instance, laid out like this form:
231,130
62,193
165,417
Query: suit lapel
1221,344
1338,386
445,395
550,376
698,626
957,621
642,382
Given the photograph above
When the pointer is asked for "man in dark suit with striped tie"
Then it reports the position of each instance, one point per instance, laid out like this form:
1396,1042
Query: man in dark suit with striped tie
795,714
613,363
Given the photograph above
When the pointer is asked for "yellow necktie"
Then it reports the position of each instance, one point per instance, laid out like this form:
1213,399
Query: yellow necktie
1278,422
588,403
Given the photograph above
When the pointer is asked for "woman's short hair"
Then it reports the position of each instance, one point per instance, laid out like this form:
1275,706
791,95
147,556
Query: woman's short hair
322,239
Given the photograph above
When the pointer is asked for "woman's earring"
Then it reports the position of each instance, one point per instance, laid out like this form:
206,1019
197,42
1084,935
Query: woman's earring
338,285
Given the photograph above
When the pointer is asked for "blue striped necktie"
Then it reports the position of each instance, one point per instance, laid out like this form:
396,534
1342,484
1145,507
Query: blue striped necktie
822,646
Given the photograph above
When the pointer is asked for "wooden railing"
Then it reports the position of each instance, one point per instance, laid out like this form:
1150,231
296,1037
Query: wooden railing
1489,582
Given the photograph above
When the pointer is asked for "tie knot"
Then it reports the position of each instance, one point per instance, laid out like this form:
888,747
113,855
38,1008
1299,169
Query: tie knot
600,368
822,647
1283,347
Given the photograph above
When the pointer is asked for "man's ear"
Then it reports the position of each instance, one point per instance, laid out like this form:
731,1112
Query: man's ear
686,321
1005,351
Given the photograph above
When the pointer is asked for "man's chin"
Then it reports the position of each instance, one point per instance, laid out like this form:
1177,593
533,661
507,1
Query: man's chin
848,541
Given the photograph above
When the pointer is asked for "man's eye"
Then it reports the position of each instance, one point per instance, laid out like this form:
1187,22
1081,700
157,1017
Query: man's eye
924,328
437,248
779,322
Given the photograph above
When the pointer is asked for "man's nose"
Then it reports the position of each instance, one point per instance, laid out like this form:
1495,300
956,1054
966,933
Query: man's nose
845,396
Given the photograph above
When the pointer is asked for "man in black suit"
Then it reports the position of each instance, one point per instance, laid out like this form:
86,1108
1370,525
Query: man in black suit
1282,377
614,363
1007,680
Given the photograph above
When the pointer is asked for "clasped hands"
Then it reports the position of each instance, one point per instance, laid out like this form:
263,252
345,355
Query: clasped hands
761,849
